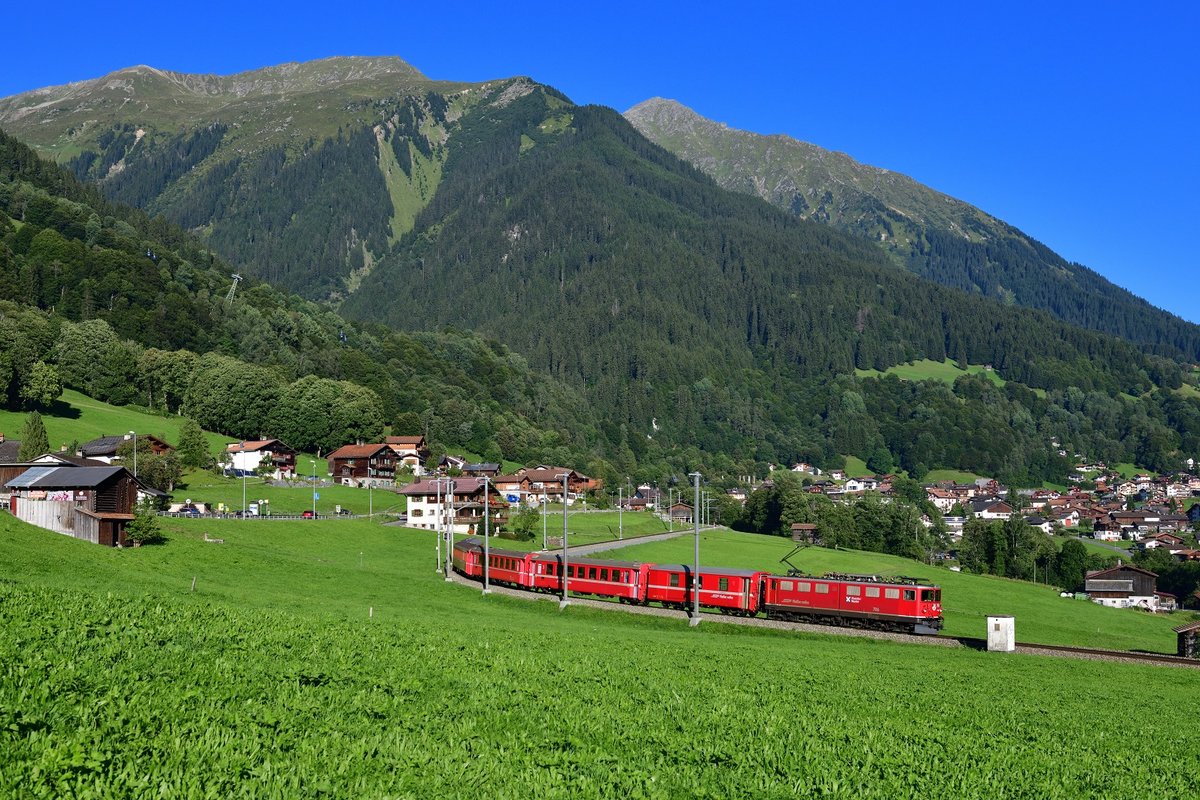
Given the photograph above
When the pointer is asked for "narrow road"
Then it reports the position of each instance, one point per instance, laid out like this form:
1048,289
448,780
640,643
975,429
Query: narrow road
617,544
1106,546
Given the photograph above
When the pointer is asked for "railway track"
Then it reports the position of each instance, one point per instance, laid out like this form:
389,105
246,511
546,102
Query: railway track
1093,653
939,640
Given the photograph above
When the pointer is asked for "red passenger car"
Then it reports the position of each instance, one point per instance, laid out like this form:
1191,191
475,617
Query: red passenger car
861,601
511,567
732,591
624,580
468,557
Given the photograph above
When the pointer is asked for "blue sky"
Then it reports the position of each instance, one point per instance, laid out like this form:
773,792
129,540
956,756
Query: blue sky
1076,122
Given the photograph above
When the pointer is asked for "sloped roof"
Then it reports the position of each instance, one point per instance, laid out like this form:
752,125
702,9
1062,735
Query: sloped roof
9,450
413,440
65,477
250,447
1120,568
460,486
357,451
28,477
67,458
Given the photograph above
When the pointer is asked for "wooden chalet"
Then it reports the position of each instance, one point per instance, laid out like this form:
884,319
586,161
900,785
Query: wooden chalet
90,503
548,482
411,452
805,533
681,512
363,465
1123,586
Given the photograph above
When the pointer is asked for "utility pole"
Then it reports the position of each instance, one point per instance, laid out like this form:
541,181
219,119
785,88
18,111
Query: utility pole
620,518
695,620
487,589
544,540
437,522
450,528
564,602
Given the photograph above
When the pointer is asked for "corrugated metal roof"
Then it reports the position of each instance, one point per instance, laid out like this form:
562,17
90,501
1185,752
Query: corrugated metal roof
27,478
73,477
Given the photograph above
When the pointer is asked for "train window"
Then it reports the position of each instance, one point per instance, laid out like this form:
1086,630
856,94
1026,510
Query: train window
891,594
723,584
786,586
803,586
910,594
853,591
592,573
928,595
822,588
872,591
674,578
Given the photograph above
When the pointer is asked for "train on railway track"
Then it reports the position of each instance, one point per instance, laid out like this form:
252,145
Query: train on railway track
901,604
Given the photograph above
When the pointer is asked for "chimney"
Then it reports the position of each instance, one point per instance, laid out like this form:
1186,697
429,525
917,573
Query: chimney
62,448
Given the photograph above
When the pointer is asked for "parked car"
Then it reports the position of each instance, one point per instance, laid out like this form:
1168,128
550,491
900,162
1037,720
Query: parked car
307,515
345,512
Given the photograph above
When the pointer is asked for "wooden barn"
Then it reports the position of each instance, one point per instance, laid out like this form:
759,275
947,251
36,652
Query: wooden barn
90,503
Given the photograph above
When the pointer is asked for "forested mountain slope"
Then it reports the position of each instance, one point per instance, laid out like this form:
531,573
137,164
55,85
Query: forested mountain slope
133,310
690,314
927,232
300,174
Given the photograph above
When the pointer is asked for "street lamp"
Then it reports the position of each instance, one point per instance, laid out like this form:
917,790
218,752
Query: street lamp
134,435
564,602
695,620
314,487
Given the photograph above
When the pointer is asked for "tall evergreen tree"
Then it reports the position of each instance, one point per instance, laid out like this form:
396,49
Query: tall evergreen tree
34,441
193,447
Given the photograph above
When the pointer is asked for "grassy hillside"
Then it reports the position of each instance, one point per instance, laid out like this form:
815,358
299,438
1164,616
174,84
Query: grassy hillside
1041,615
79,418
925,369
327,659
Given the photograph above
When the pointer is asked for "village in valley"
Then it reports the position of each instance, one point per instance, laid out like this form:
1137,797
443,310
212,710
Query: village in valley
94,493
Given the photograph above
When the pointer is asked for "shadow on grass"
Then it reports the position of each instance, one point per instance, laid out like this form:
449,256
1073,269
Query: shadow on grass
63,410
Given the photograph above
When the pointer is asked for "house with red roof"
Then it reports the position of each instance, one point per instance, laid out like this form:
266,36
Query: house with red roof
364,465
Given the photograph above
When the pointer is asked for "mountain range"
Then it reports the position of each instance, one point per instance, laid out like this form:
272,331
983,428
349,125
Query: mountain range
930,233
702,325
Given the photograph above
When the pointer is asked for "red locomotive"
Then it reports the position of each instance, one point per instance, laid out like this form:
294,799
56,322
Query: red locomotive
861,601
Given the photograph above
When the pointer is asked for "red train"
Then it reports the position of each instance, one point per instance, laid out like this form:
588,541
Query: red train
860,601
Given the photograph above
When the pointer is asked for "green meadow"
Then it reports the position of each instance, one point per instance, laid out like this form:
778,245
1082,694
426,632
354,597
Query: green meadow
329,659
